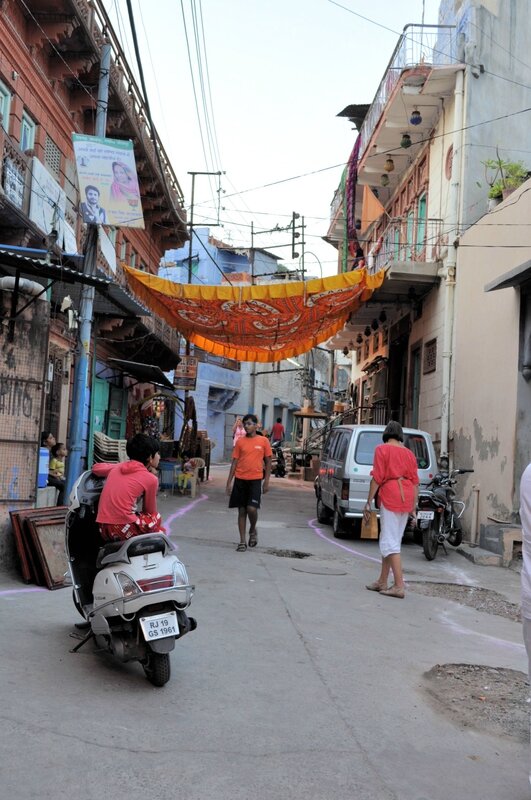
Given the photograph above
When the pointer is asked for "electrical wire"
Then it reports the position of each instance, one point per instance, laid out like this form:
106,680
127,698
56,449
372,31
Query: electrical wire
434,50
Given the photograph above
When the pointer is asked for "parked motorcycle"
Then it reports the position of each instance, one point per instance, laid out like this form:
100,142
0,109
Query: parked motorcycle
278,465
439,513
133,593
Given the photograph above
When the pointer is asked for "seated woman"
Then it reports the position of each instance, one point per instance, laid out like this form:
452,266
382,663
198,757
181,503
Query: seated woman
127,483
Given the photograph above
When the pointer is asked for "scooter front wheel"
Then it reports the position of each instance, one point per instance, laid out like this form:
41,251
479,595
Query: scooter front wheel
157,668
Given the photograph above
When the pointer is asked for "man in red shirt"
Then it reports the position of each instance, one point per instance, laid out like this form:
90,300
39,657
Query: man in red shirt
247,468
277,431
127,483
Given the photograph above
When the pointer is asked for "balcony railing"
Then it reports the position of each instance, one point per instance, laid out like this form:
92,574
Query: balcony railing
426,45
408,239
98,23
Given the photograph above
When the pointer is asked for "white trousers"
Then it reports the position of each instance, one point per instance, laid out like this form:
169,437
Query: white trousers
392,527
526,625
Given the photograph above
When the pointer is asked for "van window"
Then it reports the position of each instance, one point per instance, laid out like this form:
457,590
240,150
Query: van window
368,440
329,444
417,445
341,448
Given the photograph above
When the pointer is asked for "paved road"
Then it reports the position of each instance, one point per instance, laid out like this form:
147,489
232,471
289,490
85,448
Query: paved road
298,683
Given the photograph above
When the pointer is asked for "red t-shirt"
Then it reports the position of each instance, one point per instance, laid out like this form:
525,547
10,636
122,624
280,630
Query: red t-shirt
277,432
392,462
250,452
126,483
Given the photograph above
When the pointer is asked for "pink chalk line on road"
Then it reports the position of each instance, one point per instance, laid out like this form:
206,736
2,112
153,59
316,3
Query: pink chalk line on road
318,532
183,511
20,591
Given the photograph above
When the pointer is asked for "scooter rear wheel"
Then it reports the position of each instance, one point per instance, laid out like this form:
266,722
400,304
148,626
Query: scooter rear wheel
157,668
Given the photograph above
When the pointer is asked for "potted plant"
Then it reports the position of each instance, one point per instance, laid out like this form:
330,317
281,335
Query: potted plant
503,177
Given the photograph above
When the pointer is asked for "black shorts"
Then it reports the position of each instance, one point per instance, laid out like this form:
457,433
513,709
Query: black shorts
246,493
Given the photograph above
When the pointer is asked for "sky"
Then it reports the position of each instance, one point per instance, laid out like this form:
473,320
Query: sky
273,77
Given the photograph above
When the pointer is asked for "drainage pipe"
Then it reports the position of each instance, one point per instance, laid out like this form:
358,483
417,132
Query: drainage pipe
448,272
475,516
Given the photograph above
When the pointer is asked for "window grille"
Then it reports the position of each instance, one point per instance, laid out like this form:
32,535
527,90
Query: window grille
52,157
430,356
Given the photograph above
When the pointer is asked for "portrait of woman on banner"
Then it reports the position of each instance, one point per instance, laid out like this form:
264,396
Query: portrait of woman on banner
124,187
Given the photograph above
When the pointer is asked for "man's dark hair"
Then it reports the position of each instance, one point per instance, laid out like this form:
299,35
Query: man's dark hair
393,430
279,419
93,188
55,449
252,417
141,446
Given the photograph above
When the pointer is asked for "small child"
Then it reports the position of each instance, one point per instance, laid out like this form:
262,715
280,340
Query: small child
185,474
57,461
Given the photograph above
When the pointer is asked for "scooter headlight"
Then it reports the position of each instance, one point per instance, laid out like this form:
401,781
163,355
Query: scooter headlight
127,585
180,576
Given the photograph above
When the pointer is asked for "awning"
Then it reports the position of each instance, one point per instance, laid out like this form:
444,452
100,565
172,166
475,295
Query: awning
264,323
515,277
144,373
39,268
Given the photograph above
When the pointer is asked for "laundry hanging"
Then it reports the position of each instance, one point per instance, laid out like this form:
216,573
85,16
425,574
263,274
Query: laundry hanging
266,322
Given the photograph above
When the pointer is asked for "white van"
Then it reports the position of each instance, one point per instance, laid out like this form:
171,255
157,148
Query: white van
342,485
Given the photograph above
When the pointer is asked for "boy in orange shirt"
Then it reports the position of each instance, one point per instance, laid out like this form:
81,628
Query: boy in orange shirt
247,468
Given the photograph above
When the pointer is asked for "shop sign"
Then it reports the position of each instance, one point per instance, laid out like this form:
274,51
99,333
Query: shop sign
13,182
186,374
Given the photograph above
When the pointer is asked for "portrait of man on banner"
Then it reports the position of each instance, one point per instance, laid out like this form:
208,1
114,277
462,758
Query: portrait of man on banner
108,181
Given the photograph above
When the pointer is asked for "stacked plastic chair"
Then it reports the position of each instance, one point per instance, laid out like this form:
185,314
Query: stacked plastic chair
109,450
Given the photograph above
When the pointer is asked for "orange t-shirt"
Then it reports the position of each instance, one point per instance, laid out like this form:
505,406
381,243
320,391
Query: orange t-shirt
250,452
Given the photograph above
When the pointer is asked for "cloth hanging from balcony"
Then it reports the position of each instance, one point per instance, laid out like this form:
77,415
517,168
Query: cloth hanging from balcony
263,323
372,209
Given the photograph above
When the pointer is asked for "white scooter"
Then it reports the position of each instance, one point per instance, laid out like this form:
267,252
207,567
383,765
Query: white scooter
133,594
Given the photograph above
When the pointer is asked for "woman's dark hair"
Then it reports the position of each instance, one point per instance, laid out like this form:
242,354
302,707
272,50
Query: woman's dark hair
55,449
393,430
141,446
44,437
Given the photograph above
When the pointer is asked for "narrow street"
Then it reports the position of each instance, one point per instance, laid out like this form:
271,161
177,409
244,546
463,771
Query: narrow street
297,683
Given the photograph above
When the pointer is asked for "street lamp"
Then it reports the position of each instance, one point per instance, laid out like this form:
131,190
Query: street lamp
309,252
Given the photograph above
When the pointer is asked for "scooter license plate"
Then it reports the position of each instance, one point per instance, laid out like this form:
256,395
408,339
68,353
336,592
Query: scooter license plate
425,514
160,626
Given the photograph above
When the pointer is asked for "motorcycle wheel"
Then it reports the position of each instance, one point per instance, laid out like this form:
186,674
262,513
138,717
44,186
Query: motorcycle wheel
323,513
339,525
157,668
430,539
456,537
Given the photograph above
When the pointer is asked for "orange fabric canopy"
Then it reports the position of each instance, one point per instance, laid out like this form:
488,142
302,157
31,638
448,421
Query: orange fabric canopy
267,322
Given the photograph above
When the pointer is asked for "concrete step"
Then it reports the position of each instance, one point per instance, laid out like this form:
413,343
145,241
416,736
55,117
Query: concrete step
485,558
503,539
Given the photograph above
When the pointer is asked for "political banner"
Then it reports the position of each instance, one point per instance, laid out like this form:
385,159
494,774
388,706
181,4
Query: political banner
108,182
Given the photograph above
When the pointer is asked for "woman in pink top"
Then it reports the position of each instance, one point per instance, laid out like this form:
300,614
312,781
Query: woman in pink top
395,478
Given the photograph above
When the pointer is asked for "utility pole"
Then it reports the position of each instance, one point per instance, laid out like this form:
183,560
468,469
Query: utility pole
192,200
73,464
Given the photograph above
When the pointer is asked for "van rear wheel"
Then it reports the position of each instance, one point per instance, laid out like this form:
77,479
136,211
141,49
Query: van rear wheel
339,526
